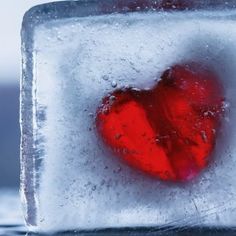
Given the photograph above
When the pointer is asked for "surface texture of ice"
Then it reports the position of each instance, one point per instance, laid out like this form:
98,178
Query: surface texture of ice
69,179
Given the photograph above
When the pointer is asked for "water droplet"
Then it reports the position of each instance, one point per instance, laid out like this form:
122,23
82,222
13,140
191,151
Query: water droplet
94,188
114,84
105,77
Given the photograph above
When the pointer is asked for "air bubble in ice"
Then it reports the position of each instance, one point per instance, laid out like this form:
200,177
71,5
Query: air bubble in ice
112,98
204,136
226,105
118,136
118,170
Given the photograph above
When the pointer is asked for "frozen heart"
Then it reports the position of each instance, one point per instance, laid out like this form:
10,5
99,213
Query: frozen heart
170,130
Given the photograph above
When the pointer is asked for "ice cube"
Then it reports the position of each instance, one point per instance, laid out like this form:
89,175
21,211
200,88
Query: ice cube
73,57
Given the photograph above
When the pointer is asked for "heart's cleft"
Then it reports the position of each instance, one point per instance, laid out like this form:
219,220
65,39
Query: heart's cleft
170,130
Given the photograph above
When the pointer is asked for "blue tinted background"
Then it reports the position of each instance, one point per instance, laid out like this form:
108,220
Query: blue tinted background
11,14
9,135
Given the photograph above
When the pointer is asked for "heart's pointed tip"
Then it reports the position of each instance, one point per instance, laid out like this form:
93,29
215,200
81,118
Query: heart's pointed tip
183,180
183,176
189,177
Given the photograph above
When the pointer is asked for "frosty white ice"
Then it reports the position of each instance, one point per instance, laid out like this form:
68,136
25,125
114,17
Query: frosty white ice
78,61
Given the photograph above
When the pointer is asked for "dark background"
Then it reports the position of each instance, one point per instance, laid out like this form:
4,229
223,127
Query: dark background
11,15
9,135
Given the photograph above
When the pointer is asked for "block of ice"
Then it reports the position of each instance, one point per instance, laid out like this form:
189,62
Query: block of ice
73,56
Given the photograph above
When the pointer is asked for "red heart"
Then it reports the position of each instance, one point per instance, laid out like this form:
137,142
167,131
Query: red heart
170,130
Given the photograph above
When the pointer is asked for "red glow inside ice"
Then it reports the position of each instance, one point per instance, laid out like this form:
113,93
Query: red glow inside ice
134,5
168,131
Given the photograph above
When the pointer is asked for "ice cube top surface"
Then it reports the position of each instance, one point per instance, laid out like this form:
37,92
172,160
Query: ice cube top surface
70,63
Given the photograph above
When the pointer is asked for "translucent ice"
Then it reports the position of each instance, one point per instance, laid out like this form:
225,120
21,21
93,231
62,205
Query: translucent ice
70,62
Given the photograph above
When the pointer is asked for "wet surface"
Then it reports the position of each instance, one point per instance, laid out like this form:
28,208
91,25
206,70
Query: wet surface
11,220
11,224
15,230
